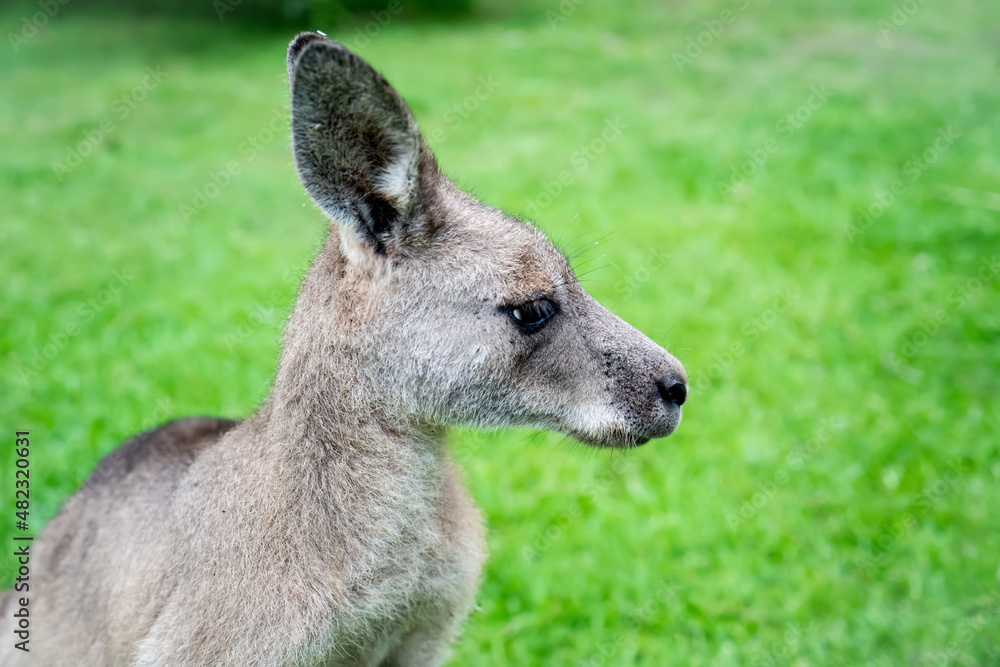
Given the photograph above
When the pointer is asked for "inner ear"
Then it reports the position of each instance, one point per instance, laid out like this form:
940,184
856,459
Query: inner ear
357,147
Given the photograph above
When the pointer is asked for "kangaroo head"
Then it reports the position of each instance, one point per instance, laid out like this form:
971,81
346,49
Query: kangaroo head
431,308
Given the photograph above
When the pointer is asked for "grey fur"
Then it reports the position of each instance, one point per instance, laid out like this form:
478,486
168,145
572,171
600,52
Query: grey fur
330,528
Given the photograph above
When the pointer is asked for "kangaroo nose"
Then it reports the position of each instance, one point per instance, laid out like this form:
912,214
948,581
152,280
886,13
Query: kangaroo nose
672,391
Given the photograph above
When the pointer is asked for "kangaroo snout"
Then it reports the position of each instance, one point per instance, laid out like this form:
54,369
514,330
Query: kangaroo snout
668,393
672,387
672,391
672,384
637,387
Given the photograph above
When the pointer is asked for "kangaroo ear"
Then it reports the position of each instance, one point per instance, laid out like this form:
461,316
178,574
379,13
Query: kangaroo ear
356,144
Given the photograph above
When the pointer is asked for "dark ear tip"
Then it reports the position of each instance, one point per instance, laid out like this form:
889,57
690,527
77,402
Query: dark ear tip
299,42
303,40
298,45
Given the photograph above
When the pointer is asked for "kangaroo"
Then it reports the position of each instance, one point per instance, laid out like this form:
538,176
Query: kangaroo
331,528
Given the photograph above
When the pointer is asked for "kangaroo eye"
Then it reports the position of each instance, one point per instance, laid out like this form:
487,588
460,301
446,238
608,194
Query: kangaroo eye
532,315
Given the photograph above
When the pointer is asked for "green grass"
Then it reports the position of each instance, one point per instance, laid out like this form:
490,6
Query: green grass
815,385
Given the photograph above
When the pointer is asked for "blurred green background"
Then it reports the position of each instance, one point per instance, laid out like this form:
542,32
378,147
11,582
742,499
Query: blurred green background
799,200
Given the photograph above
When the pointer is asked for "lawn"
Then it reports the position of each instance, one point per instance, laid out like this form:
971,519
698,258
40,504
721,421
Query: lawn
802,203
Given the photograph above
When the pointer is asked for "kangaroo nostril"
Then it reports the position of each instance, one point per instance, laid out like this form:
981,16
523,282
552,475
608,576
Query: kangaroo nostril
672,392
